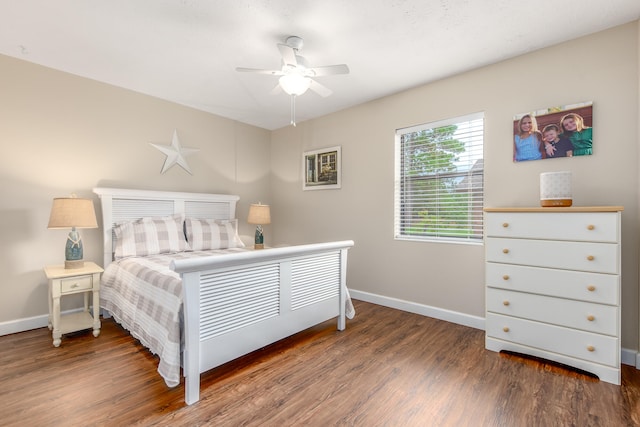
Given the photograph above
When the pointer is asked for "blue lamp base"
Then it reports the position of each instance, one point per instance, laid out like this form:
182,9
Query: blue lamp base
259,240
73,251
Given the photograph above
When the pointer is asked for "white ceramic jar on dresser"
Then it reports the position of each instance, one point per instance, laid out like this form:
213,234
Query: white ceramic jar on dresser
553,285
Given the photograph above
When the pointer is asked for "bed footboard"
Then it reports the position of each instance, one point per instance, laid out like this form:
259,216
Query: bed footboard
241,302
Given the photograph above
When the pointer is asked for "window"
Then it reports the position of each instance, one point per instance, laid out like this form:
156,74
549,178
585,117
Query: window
439,181
327,163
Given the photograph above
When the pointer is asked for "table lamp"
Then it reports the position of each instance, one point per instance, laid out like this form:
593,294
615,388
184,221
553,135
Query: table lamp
73,212
259,215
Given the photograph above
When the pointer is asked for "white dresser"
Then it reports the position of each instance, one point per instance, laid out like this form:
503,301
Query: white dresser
553,285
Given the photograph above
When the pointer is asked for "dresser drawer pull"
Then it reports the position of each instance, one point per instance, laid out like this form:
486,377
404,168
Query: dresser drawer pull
505,251
591,348
591,227
75,285
591,288
505,302
505,277
506,329
505,224
591,318
591,257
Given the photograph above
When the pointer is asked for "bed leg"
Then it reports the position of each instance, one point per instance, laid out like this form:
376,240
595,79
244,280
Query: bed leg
192,389
342,323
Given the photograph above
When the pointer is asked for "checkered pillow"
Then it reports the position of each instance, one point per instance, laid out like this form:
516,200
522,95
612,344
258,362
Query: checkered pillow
204,234
150,236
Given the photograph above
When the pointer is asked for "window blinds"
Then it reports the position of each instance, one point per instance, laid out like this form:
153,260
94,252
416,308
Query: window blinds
440,180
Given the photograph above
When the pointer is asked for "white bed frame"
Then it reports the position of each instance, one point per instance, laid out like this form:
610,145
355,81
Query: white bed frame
237,303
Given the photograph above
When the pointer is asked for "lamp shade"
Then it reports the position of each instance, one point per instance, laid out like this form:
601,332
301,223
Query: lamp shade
71,212
259,214
294,84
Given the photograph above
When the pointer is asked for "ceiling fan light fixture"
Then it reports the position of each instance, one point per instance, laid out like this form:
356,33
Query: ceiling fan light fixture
294,84
297,75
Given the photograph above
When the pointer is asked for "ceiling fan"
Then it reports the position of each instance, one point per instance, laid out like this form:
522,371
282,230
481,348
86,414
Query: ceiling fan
296,76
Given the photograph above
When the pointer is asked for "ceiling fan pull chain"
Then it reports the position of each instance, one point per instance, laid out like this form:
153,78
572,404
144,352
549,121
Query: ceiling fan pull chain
293,110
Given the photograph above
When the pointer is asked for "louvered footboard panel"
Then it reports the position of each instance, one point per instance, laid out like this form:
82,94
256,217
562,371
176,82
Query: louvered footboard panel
314,279
238,303
238,298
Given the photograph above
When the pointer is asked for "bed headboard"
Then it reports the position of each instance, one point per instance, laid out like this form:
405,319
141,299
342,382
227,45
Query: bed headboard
120,205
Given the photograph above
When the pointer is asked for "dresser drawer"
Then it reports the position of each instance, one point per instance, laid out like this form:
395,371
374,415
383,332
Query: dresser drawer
76,284
582,256
587,316
593,287
579,226
588,346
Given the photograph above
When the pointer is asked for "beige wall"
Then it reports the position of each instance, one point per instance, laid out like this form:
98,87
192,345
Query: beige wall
61,134
602,68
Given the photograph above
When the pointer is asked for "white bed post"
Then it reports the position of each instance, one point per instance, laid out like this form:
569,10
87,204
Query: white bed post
342,322
107,219
191,310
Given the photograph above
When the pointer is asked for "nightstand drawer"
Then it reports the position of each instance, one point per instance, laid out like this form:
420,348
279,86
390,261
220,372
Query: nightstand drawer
76,284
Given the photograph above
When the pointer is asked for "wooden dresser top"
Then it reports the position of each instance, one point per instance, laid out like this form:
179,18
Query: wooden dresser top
558,209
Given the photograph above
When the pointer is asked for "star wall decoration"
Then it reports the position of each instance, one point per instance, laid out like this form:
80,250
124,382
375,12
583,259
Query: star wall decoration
175,153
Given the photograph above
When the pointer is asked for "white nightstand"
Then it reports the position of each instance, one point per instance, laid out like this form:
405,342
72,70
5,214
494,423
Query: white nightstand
68,282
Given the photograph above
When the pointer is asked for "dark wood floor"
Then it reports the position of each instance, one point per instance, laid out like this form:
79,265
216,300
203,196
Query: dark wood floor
389,368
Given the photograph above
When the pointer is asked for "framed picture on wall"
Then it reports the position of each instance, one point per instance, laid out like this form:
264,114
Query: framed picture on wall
554,132
321,169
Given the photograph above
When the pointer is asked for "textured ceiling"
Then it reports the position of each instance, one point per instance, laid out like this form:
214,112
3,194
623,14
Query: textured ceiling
186,51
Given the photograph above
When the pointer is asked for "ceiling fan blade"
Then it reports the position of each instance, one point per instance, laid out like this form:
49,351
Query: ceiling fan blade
288,54
330,70
276,90
320,89
259,71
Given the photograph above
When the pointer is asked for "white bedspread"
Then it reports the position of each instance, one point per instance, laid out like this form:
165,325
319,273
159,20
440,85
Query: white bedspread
145,296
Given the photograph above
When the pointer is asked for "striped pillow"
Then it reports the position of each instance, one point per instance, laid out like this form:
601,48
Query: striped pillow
204,234
150,236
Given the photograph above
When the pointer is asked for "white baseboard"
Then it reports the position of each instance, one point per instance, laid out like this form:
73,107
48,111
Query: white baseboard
21,325
627,357
425,310
28,323
630,357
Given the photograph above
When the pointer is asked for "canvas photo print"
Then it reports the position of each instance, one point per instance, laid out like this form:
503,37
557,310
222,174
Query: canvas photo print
553,133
